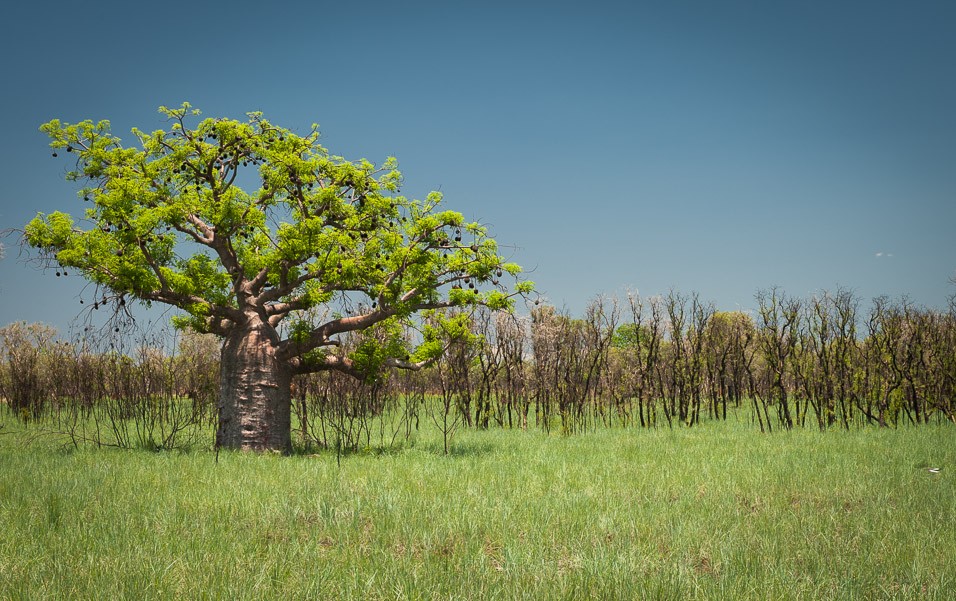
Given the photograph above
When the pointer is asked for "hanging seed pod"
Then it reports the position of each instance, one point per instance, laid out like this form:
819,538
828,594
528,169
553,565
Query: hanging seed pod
474,248
54,155
498,273
69,148
58,274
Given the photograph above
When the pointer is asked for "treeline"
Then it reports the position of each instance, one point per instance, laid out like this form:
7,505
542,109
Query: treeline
674,359
670,360
106,395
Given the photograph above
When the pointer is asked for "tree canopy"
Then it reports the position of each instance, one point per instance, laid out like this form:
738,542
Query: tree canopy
232,221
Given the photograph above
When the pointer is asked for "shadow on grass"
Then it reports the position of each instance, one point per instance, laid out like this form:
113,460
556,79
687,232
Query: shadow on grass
464,449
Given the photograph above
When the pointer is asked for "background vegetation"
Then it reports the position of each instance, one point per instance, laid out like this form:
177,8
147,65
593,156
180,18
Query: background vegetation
821,363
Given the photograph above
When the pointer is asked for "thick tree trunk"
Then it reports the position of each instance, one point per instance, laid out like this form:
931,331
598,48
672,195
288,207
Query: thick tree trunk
254,393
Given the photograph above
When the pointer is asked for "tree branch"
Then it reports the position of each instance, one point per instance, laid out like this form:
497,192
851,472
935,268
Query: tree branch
322,335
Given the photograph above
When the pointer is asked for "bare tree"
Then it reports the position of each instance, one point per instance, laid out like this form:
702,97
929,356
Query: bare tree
512,393
779,320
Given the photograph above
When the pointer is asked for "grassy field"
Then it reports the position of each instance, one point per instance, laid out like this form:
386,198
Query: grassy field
715,512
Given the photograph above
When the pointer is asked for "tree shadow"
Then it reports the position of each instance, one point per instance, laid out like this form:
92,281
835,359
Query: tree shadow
463,449
459,449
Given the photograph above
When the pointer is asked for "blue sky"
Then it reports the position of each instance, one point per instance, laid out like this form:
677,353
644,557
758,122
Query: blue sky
717,147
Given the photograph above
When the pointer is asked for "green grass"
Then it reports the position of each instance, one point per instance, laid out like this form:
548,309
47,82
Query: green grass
715,512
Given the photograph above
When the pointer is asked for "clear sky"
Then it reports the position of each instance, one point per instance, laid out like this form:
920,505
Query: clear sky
717,147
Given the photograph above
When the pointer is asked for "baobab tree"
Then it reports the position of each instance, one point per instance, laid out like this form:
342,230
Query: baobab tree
262,237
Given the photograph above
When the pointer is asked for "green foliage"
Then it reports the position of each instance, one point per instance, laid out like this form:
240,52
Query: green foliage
379,343
171,222
629,335
442,328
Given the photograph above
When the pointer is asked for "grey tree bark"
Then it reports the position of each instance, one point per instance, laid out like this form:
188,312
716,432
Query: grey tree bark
254,392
